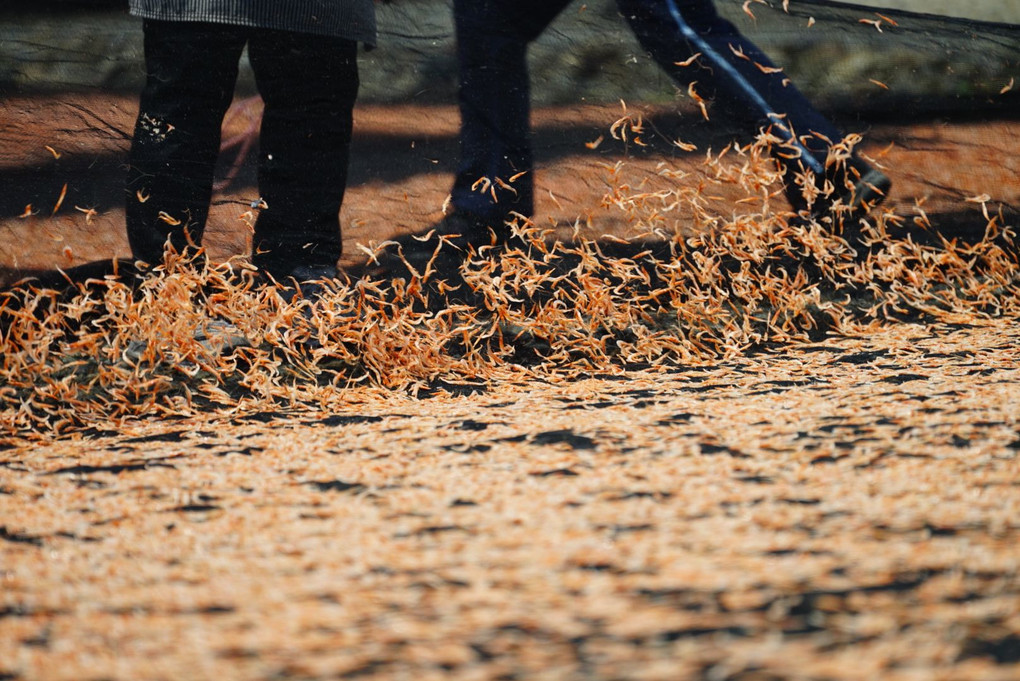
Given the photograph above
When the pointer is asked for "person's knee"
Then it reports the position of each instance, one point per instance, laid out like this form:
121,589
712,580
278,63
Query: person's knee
481,21
190,65
299,70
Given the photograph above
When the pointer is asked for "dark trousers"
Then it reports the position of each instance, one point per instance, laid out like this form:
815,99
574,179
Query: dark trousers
309,84
492,40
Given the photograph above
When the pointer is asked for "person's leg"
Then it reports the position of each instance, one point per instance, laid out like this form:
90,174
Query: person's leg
309,84
748,86
744,82
191,70
495,106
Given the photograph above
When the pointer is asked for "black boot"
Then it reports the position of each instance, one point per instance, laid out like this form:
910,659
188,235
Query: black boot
850,189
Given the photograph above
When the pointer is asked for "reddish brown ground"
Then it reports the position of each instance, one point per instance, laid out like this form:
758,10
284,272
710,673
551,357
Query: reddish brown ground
401,172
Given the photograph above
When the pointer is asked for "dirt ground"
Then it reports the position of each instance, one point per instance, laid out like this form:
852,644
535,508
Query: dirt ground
402,166
845,508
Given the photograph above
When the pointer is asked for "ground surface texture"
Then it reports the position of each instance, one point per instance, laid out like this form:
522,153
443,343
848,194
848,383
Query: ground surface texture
845,507
843,510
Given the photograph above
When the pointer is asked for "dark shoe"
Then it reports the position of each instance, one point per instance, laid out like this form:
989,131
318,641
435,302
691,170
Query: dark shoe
440,251
306,282
464,231
850,189
860,187
309,284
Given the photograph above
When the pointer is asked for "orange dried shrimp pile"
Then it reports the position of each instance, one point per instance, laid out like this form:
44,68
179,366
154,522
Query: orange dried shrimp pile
687,285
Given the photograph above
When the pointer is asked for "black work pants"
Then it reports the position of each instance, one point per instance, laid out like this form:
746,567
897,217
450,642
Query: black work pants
309,84
492,40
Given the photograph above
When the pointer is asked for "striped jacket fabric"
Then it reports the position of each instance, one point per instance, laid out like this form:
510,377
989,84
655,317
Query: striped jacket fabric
350,19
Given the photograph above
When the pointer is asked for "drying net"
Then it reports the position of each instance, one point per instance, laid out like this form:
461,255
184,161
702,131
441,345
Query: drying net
661,234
